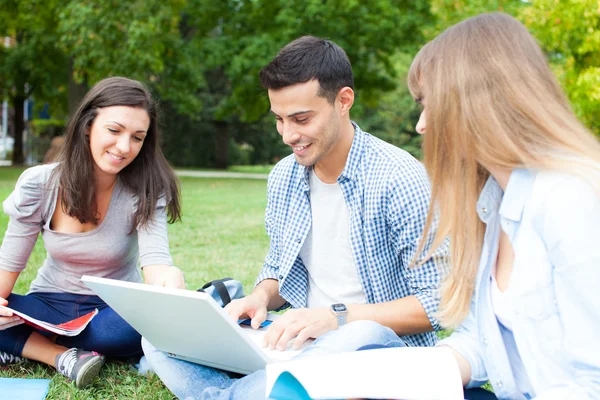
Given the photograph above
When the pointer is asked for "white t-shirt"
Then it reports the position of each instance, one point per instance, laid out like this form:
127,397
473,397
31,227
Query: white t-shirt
504,308
327,251
502,302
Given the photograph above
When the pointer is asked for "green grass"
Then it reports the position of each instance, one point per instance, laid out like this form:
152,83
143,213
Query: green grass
250,169
222,234
255,169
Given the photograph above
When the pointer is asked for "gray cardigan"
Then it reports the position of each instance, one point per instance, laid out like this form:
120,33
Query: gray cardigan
108,251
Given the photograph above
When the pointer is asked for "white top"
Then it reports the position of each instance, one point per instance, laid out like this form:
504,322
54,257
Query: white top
327,252
502,303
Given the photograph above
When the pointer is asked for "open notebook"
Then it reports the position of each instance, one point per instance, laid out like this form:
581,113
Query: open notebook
68,328
395,373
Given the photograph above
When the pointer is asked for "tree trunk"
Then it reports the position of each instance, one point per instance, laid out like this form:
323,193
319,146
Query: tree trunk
222,144
75,91
18,158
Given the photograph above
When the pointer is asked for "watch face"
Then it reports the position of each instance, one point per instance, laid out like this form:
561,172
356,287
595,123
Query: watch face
338,307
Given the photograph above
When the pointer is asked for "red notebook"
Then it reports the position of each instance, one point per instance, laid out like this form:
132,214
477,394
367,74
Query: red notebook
69,328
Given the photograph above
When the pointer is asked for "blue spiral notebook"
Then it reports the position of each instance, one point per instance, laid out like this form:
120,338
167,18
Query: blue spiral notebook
23,389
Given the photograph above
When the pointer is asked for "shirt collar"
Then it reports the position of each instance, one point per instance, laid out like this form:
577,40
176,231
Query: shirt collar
355,155
516,194
489,200
509,203
352,162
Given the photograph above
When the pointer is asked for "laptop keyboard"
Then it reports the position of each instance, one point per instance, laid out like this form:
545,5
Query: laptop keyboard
280,355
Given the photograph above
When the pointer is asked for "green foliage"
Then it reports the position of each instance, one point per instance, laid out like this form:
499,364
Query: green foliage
450,12
395,117
32,65
138,39
33,57
47,128
569,32
202,58
246,35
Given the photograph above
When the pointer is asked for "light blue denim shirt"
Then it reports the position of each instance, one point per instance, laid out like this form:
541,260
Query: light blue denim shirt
553,222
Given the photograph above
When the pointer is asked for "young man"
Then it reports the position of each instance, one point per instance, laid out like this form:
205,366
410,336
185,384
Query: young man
345,213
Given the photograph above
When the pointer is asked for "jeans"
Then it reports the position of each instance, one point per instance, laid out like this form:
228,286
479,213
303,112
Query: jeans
479,394
192,381
107,333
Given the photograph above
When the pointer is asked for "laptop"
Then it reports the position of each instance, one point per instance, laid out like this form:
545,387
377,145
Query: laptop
188,325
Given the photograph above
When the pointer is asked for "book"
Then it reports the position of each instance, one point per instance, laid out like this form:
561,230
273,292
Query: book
23,389
388,373
68,328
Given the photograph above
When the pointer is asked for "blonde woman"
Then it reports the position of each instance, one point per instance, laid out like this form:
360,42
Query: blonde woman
516,181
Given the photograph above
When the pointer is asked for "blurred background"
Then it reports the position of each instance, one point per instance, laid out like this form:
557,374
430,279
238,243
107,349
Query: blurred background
201,60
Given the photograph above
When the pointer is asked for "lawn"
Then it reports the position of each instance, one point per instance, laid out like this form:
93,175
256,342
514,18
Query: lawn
222,234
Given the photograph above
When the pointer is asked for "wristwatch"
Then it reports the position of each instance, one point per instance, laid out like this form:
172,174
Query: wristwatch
340,312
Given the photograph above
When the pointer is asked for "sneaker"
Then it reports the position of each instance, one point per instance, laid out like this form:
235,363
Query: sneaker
80,366
8,359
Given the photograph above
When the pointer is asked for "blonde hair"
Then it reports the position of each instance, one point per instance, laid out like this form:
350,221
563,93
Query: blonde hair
492,100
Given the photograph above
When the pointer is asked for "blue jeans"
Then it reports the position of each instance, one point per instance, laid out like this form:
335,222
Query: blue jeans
192,381
107,333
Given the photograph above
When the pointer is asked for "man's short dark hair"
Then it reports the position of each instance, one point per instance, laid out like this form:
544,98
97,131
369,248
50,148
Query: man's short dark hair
308,58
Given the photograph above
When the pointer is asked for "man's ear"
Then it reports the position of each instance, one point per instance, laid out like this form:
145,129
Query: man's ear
346,100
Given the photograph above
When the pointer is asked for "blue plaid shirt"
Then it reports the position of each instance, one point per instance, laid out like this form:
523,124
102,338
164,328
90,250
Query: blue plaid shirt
387,193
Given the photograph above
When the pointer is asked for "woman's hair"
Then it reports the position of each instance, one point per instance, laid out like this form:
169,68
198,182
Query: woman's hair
149,175
491,100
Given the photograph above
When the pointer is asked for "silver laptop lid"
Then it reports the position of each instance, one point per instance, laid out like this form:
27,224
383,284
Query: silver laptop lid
185,324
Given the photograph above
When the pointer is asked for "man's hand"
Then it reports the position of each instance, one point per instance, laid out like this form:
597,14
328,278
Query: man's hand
7,319
304,322
253,306
164,275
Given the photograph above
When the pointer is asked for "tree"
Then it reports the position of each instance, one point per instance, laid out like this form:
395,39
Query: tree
138,39
569,32
32,65
396,114
245,35
203,57
450,12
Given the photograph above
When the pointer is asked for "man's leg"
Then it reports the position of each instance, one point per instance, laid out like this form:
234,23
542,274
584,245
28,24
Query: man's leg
193,381
479,394
352,337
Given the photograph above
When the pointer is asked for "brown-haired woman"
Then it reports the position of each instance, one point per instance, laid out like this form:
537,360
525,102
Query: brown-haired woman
516,180
100,210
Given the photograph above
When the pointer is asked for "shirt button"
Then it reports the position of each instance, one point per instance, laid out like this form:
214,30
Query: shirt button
298,240
280,277
484,341
484,210
500,384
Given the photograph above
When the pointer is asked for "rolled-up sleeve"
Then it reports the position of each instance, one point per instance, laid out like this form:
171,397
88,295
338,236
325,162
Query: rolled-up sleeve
465,341
153,239
270,269
23,206
407,213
